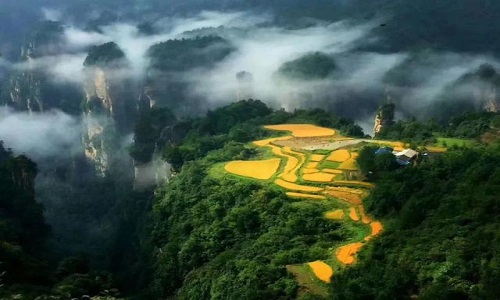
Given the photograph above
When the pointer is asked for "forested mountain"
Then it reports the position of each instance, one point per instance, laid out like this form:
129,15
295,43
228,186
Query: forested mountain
126,119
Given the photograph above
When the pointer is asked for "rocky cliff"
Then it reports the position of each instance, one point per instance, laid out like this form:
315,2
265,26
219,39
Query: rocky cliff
484,84
384,117
31,87
109,113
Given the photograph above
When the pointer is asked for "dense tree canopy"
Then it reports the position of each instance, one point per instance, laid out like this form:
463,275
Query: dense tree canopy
107,54
441,240
308,67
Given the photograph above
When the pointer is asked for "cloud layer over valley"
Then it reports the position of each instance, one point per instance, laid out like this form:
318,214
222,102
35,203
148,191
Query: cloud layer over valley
361,80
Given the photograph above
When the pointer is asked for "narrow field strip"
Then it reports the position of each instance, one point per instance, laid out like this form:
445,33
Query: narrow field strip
266,142
354,183
292,175
376,228
303,130
333,171
364,217
306,196
353,214
335,215
317,157
319,177
297,187
309,171
292,163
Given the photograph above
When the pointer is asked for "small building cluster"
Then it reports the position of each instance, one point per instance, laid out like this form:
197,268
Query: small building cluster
403,158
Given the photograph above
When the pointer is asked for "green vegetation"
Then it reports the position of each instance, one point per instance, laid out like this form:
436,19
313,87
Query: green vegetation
23,231
442,240
147,132
454,142
476,126
410,131
328,165
25,267
241,122
308,67
473,125
107,54
185,54
232,238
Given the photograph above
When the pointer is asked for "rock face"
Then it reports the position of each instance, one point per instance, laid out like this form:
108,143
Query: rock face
484,84
491,99
486,93
384,117
31,88
109,112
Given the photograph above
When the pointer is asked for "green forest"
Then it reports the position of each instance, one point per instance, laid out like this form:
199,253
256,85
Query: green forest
221,238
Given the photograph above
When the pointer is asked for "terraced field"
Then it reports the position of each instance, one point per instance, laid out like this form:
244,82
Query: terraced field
306,176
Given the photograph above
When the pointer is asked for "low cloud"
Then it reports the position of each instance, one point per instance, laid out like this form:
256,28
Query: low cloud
40,135
51,14
354,90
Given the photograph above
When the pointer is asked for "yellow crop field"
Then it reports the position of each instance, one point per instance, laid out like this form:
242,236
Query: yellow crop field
312,165
388,143
347,189
297,187
353,214
292,163
436,149
258,169
351,192
377,228
266,142
346,254
323,271
309,171
318,177
317,157
308,196
333,171
364,217
335,215
348,197
303,130
350,164
341,155
354,182
291,175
